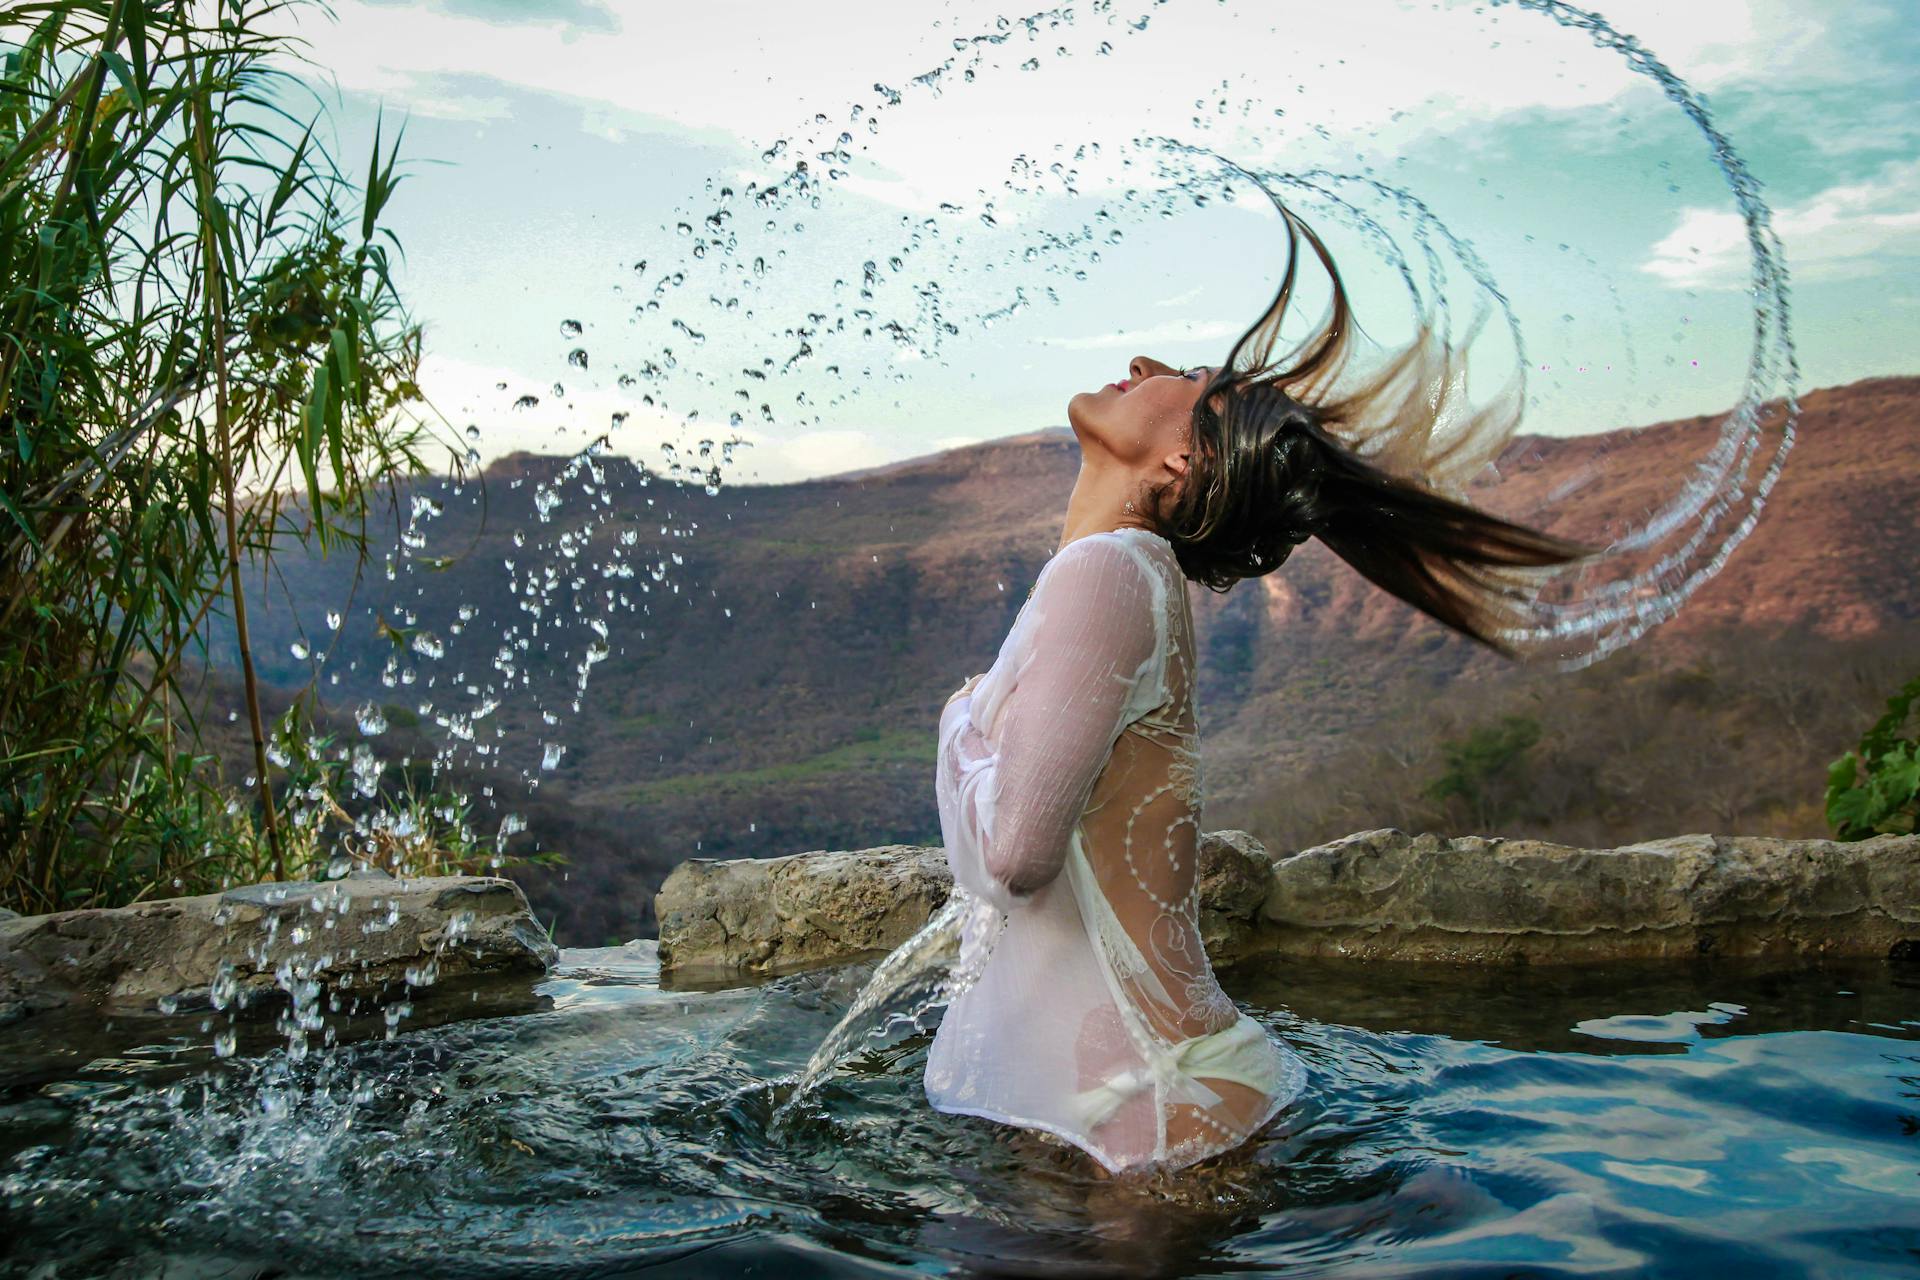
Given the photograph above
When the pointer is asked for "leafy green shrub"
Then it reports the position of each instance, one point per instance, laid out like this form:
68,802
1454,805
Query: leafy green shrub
1875,789
1475,764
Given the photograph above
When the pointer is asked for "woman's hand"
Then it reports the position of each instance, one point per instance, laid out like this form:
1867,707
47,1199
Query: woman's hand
966,688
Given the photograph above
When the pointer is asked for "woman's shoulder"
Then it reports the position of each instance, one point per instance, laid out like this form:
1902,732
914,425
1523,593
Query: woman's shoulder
1130,549
1124,557
1116,590
1129,540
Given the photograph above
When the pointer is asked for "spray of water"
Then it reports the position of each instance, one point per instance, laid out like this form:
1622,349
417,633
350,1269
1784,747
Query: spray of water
786,296
833,277
1690,538
917,977
832,327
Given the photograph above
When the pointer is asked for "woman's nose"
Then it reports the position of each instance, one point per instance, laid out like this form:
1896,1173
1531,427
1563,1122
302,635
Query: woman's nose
1146,367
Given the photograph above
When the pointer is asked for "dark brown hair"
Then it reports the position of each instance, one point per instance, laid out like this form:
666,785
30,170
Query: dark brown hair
1278,455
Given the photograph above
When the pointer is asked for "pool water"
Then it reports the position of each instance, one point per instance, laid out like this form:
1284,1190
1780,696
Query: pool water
1458,1121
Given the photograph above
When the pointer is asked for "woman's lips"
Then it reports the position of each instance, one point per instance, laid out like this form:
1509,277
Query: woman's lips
1122,385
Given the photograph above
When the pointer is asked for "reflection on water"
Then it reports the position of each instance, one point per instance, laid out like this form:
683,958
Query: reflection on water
1642,1120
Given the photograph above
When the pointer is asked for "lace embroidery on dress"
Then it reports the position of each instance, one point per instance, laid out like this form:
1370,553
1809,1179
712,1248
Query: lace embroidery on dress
1186,775
1094,1013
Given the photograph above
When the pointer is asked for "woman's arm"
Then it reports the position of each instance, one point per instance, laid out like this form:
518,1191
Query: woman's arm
1020,753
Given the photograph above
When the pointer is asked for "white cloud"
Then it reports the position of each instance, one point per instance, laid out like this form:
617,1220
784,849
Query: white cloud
758,71
1844,232
741,69
815,453
467,392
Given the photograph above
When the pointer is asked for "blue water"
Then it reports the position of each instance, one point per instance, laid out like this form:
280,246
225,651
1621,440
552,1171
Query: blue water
1652,1120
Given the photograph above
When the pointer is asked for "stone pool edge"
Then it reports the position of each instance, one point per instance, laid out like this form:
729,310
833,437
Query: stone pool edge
356,934
1373,895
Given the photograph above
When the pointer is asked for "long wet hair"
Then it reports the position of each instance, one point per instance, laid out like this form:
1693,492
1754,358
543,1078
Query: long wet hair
1368,469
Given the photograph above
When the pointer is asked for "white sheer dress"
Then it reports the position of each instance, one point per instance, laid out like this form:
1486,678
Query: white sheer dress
1068,786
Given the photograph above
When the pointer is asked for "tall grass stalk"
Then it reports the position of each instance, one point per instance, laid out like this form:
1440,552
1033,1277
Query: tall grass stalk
204,363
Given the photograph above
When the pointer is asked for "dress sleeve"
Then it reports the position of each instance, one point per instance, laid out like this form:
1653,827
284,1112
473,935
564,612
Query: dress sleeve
1019,753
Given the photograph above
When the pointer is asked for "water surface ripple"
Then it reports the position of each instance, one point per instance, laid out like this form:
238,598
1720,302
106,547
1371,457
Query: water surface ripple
1458,1121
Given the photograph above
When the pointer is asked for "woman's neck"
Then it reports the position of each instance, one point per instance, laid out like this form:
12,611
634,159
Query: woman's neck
1099,503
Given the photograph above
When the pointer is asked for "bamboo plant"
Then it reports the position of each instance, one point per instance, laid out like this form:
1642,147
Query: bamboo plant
204,363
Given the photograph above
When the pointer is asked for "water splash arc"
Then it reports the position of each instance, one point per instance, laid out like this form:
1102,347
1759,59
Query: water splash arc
791,298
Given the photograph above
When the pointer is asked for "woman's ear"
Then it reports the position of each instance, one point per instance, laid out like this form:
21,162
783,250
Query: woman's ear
1176,463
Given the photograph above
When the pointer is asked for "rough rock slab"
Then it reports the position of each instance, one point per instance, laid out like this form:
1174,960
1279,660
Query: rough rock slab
1374,895
1388,895
721,917
772,915
361,933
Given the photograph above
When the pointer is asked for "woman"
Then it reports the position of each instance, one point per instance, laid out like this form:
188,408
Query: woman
1068,779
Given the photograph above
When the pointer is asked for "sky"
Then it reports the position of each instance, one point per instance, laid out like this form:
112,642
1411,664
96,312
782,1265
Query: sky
551,146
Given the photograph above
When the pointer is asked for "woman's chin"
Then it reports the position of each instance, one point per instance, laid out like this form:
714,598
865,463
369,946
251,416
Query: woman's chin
1074,412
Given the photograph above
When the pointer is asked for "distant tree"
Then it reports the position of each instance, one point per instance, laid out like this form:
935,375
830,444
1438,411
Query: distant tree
1875,788
1479,763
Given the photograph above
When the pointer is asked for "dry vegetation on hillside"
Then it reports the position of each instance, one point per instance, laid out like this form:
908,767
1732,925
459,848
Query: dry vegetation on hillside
1731,734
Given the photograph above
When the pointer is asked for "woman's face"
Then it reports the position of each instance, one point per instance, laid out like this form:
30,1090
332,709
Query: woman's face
1141,422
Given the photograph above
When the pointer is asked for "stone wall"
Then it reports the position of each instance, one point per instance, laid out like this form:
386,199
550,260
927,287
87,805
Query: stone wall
1374,895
